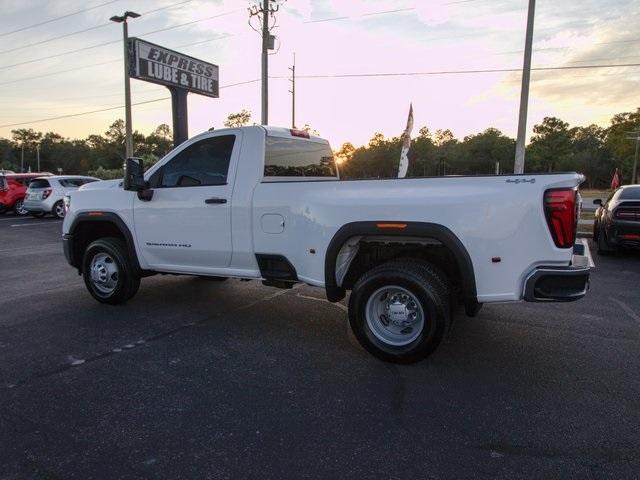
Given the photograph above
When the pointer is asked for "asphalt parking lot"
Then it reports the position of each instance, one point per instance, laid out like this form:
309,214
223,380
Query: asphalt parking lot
200,379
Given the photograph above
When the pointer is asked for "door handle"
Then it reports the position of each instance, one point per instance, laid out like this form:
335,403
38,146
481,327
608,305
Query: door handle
215,201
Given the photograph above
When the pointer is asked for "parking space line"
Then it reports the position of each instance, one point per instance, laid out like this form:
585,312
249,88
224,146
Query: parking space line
587,252
627,309
33,224
308,297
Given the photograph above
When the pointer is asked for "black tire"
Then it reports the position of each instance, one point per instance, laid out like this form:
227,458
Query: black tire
127,281
37,214
603,245
596,230
18,210
58,210
427,285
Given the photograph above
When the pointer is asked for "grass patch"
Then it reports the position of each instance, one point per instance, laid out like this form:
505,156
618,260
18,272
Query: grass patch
603,194
585,229
587,215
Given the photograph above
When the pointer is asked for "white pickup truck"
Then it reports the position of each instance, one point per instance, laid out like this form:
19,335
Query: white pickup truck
267,203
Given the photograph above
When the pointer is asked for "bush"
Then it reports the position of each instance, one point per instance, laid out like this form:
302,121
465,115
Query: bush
106,174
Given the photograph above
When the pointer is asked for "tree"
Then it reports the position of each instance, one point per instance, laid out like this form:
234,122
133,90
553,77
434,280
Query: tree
550,145
345,153
590,155
163,131
239,119
623,149
480,152
27,139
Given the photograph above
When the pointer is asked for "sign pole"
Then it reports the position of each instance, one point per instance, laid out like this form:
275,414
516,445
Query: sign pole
127,87
180,116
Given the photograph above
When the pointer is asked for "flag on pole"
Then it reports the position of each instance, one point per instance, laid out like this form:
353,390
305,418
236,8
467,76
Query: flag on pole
615,181
406,144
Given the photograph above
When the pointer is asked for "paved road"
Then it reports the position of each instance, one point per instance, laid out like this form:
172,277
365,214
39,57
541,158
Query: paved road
198,379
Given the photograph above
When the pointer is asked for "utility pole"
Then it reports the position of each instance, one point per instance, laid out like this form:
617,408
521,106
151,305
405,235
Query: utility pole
635,136
38,155
524,92
22,158
293,92
127,87
265,62
264,10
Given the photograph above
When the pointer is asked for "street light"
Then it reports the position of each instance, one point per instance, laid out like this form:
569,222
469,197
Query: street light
127,89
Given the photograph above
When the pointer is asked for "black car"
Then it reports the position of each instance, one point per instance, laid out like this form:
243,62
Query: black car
617,221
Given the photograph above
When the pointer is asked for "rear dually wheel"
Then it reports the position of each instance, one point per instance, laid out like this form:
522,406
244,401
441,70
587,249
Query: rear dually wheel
400,311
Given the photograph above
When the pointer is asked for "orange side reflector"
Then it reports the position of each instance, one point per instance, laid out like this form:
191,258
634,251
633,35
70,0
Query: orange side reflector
399,226
95,214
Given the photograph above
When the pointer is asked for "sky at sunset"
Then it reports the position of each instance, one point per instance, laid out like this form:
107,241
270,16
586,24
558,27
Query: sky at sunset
40,79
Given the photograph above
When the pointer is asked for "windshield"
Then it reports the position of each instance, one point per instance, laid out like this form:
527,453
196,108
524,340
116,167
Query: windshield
630,193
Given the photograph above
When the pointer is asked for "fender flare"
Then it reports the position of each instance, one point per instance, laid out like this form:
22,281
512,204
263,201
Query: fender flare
412,229
107,217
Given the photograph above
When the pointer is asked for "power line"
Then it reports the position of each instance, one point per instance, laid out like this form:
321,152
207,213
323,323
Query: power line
68,70
461,72
384,12
77,32
68,52
71,115
22,29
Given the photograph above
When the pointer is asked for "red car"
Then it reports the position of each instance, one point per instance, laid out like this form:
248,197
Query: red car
12,190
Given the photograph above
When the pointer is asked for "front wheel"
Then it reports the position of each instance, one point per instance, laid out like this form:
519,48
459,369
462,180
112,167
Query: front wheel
108,273
58,210
400,311
19,209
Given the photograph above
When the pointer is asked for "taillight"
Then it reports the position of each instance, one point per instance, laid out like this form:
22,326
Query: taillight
561,210
46,193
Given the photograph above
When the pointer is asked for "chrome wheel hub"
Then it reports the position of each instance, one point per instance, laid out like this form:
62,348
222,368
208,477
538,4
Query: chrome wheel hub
104,273
394,315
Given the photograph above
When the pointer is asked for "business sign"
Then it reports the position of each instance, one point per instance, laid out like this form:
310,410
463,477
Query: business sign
157,64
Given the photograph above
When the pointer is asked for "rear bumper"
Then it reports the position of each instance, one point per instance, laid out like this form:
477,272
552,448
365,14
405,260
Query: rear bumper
624,234
37,206
560,284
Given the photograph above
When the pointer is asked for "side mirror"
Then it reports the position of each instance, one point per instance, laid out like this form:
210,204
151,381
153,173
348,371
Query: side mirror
597,201
134,175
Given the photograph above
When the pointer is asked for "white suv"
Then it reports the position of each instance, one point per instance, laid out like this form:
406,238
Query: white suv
46,194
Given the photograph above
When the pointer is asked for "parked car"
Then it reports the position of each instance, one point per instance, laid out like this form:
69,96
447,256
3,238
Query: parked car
617,220
46,194
267,203
13,187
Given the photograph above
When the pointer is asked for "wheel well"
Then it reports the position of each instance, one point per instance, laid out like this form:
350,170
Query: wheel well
86,232
373,252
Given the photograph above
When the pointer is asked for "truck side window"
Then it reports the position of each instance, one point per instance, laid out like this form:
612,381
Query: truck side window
290,157
204,163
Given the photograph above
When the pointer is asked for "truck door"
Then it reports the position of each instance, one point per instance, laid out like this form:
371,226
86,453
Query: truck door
186,226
